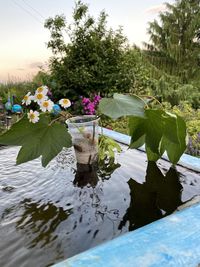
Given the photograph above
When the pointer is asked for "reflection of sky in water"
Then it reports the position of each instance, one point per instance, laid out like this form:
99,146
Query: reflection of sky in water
54,213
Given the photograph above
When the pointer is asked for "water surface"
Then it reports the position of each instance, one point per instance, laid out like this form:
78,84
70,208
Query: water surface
47,215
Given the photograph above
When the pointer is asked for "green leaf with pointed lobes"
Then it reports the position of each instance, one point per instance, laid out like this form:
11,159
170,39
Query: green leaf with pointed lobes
39,139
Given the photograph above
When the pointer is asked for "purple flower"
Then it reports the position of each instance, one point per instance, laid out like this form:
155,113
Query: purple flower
97,98
49,93
90,105
85,100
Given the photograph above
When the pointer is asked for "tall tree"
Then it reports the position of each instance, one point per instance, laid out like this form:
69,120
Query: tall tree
93,59
175,45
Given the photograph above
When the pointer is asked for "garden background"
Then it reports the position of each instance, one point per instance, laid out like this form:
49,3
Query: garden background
98,60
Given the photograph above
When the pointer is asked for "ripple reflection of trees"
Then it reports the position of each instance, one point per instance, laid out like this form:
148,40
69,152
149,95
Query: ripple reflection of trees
158,196
90,180
40,221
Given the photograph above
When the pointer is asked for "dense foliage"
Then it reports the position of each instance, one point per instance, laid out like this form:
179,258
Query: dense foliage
94,59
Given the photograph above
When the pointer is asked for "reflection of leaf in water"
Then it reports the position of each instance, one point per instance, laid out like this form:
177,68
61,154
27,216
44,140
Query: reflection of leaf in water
40,221
158,193
169,192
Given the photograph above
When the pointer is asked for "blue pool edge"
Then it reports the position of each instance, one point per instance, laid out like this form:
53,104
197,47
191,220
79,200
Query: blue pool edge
172,241
186,160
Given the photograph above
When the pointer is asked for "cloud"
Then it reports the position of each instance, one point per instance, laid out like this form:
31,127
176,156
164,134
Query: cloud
156,9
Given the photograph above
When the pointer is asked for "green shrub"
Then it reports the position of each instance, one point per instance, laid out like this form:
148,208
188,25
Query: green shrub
94,60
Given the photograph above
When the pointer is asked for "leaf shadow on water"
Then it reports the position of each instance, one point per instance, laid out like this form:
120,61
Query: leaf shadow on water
157,197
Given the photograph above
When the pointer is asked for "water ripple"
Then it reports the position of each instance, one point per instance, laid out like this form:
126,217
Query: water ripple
48,214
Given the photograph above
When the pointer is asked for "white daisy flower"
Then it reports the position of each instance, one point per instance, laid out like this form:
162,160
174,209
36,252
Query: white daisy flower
65,103
33,116
42,89
27,99
40,97
46,105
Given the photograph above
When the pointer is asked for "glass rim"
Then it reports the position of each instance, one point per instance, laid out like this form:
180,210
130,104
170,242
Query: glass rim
72,121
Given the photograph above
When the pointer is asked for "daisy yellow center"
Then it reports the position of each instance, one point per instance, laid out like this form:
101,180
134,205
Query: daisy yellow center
25,97
39,96
40,89
32,116
45,104
65,101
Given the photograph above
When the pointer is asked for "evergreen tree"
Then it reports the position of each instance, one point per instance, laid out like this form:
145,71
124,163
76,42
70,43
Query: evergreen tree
175,46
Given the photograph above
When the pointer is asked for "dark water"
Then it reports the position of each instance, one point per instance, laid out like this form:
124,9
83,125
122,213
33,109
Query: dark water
47,215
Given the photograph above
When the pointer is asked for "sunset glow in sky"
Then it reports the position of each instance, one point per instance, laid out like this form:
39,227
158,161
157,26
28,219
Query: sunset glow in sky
23,37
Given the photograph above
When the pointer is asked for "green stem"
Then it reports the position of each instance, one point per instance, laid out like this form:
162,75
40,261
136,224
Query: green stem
54,121
66,116
152,97
140,97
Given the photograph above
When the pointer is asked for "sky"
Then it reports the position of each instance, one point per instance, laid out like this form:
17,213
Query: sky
23,37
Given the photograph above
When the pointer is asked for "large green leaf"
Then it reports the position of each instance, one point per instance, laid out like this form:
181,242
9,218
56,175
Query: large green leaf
147,130
122,105
22,131
170,127
154,129
151,156
160,131
137,131
40,139
176,147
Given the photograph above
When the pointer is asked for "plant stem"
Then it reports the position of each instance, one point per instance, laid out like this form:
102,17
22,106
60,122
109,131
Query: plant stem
54,121
66,116
140,97
152,97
